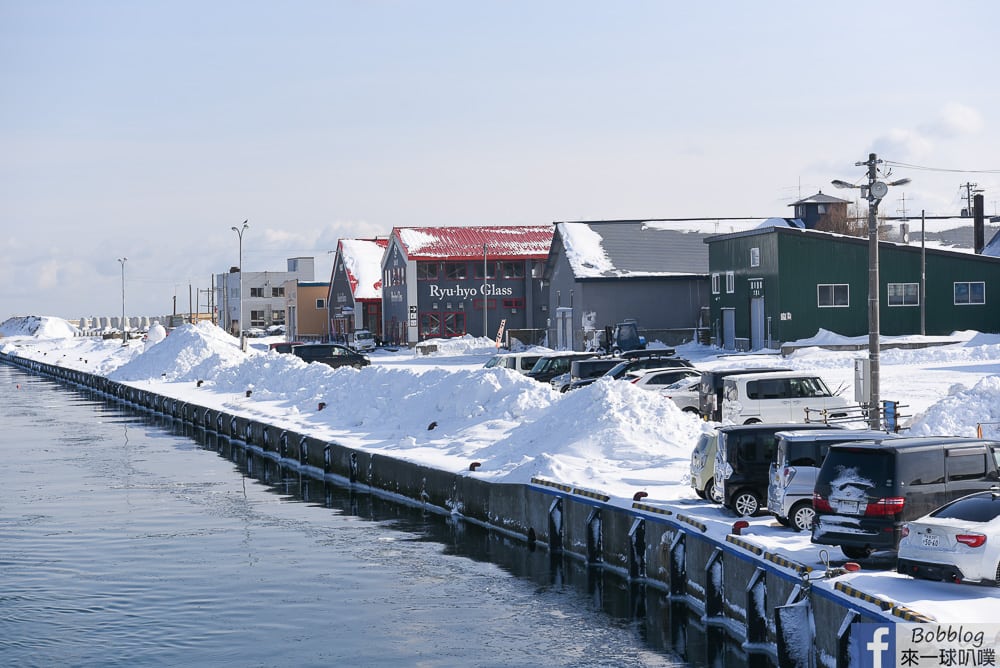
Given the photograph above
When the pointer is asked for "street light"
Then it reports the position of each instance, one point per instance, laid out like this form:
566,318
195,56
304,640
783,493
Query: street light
124,330
874,191
239,232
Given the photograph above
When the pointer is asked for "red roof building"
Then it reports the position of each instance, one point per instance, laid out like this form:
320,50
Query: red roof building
443,282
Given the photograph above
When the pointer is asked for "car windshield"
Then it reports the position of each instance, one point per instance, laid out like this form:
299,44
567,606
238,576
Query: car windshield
364,336
684,383
977,508
493,361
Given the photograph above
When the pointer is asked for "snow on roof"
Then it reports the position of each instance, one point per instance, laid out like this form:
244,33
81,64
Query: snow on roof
993,247
362,260
464,243
820,198
647,248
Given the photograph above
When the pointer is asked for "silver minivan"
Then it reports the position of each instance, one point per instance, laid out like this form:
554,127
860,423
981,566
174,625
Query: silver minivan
797,457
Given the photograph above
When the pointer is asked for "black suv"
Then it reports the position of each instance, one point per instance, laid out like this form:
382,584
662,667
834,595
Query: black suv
331,354
865,491
743,463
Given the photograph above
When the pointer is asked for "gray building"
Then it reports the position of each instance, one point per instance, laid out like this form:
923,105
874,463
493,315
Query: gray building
655,271
263,295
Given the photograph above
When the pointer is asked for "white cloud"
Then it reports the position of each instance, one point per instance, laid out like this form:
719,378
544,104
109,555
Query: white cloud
902,145
955,120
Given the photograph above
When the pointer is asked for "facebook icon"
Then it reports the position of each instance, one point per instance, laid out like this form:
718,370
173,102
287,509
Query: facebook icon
874,645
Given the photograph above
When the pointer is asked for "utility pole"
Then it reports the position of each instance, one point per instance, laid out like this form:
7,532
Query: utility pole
970,190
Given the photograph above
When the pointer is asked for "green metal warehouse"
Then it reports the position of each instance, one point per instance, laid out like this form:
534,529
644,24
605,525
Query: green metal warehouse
782,284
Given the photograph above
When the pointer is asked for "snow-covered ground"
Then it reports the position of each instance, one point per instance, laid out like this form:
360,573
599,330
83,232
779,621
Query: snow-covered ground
608,437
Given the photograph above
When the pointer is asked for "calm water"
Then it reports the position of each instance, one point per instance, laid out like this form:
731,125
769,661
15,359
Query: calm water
128,540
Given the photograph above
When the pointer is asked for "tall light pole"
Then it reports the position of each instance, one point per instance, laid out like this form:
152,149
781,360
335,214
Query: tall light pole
124,327
239,232
873,192
486,301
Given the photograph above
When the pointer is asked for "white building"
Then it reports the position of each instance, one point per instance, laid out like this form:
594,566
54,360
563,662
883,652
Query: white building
264,295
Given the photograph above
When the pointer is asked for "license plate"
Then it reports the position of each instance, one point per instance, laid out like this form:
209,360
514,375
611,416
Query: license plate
930,540
848,507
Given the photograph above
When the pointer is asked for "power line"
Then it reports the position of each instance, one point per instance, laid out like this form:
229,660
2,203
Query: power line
941,169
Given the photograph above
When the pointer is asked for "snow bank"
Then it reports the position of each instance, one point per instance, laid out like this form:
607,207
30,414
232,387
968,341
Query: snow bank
43,327
959,412
191,352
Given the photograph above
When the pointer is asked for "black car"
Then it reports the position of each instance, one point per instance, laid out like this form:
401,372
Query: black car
331,354
743,463
866,491
550,366
584,372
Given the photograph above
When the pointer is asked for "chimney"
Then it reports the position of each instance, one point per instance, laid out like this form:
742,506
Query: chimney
978,229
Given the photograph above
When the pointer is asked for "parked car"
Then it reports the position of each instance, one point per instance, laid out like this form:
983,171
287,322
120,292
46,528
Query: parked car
655,379
958,542
742,461
702,466
362,340
777,397
285,346
866,491
710,390
648,359
549,366
685,393
798,455
587,370
332,354
520,362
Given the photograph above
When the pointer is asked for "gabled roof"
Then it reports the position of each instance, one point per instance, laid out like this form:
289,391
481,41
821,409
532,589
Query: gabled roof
645,248
513,242
820,198
362,260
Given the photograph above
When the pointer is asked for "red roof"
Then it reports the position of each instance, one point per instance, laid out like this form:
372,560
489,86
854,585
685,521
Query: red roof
503,242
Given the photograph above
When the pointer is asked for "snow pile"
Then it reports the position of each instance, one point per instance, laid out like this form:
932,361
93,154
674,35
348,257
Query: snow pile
462,345
963,409
43,327
605,434
156,334
190,352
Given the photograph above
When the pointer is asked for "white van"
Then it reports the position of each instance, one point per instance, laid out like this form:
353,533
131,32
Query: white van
363,341
777,397
520,362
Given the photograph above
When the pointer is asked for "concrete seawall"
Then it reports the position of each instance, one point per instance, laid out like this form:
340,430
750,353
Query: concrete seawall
777,609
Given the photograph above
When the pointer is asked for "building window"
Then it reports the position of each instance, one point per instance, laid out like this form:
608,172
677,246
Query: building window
278,317
430,324
427,271
278,292
256,318
973,292
754,257
730,282
455,271
904,294
513,269
477,270
833,295
477,304
514,302
454,324
715,284
320,303
256,292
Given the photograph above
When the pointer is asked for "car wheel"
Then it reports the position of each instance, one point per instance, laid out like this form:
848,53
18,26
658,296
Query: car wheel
802,515
752,421
710,490
783,521
700,493
746,503
854,552
690,410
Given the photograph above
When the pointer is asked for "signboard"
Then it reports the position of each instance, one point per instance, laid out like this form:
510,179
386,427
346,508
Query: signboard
503,323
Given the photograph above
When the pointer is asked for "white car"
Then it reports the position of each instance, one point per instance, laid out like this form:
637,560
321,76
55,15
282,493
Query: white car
657,379
685,393
958,542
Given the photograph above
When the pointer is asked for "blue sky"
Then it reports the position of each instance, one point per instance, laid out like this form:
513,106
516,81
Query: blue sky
148,129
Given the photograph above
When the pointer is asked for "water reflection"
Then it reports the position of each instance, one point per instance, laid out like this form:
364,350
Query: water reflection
664,624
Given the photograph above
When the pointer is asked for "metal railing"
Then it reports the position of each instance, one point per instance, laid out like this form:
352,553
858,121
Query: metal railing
889,415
